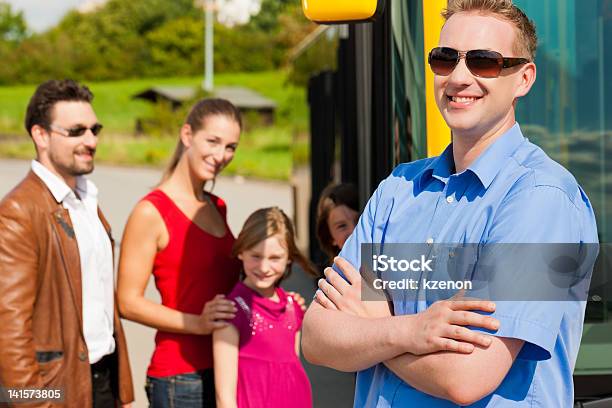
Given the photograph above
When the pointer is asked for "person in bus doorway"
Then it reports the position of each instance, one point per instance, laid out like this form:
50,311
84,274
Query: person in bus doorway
491,185
337,215
60,326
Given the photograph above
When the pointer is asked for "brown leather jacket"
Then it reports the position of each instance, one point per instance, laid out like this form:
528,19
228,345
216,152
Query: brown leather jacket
41,342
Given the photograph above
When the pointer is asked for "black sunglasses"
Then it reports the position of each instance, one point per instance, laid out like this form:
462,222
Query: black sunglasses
78,130
481,63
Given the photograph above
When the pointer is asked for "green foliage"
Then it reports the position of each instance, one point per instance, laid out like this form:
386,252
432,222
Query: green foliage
13,31
12,24
47,57
145,38
320,56
137,17
243,49
110,43
100,45
176,48
267,19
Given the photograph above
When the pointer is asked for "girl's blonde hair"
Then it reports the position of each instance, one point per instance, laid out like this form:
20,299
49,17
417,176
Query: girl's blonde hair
266,223
202,110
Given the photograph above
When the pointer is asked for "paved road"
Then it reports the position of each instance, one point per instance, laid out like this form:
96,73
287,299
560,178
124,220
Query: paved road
121,188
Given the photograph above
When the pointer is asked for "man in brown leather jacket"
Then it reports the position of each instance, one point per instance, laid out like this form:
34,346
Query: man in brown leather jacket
60,327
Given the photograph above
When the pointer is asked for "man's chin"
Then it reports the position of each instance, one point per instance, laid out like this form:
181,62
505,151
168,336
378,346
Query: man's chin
462,125
459,119
83,169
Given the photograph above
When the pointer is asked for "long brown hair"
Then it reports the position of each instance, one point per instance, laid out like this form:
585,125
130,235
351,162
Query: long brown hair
196,119
266,223
333,196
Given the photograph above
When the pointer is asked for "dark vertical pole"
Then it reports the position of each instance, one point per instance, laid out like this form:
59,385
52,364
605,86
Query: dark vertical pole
346,101
382,112
322,142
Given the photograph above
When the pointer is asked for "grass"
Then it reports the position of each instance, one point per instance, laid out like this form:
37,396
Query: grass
263,152
13,104
268,154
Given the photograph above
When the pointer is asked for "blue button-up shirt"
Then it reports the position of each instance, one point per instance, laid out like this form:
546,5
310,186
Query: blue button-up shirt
513,193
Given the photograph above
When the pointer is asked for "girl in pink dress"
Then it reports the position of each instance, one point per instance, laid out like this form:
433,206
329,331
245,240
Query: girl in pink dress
256,357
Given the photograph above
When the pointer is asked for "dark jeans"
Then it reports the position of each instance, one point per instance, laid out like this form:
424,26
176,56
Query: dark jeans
193,390
101,384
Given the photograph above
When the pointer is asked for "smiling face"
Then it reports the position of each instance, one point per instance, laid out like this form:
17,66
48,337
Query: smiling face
211,148
341,223
65,156
264,264
476,107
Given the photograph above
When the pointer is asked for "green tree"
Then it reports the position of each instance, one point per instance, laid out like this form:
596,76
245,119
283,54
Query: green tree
13,31
13,27
243,48
176,48
267,19
110,43
126,38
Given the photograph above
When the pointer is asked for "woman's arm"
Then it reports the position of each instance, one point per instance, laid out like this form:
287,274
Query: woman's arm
145,234
225,352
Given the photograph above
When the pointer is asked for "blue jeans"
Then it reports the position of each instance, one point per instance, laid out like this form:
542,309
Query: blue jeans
192,390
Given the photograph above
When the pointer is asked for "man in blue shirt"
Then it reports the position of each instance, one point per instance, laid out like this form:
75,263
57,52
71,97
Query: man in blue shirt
490,186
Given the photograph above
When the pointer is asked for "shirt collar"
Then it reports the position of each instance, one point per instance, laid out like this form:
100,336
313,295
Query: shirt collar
440,167
86,188
491,161
58,187
485,167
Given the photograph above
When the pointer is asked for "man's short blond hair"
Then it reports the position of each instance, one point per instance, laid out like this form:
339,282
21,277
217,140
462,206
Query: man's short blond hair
526,37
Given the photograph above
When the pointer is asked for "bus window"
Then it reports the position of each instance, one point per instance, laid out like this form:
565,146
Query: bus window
569,110
409,81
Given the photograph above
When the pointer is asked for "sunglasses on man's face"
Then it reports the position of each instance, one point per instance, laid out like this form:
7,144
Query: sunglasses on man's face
481,63
77,130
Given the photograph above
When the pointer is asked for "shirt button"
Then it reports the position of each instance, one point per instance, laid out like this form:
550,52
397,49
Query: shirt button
82,356
430,241
450,199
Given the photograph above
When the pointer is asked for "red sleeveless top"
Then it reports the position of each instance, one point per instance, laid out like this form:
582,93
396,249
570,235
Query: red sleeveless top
193,268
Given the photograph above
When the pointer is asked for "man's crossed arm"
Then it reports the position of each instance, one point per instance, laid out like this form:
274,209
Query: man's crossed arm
432,351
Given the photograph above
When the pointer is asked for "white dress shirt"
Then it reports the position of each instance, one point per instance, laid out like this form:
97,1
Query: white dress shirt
96,259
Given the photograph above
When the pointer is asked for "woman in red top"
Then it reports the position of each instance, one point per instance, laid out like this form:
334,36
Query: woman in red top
179,233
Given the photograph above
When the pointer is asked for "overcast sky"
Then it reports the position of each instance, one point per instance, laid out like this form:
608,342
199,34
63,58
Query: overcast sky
42,14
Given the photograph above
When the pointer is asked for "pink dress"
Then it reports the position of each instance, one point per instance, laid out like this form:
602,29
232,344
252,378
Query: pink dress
269,372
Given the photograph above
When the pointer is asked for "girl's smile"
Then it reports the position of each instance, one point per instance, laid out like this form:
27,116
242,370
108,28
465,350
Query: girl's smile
264,264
